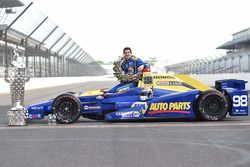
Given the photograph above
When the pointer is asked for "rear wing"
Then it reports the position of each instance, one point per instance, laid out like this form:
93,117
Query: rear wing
230,83
236,94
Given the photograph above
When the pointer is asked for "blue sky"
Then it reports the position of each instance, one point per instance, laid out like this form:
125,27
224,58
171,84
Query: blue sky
169,30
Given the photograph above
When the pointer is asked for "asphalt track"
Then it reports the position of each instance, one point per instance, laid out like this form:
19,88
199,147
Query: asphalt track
166,143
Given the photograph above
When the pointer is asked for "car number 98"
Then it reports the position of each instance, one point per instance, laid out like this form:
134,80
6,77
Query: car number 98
240,101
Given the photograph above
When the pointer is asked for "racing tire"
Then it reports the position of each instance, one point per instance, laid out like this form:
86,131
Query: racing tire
211,105
67,108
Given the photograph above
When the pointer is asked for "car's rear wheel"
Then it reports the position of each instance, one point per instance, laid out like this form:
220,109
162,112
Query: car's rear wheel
67,108
211,106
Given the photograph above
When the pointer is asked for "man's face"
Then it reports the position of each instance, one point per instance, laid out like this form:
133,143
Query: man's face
127,54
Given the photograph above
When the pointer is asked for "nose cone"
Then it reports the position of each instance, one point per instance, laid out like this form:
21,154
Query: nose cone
37,111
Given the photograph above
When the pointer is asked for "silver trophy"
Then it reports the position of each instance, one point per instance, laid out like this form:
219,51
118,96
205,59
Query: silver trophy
16,75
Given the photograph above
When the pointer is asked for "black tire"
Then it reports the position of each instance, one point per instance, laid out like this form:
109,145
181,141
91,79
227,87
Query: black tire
229,102
211,106
67,108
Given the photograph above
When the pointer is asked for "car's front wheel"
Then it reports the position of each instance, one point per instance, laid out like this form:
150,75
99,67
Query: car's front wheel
67,108
211,106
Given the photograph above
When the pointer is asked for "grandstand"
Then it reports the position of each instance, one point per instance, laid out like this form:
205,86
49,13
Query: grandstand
236,59
48,50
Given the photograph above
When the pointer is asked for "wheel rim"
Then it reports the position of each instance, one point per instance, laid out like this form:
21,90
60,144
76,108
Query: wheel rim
67,109
213,106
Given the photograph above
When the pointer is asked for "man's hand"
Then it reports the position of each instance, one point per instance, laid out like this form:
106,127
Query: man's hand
130,78
140,68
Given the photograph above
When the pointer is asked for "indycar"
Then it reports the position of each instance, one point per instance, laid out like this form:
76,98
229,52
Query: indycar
155,96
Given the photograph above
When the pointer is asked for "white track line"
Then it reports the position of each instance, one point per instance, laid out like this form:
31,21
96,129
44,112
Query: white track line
129,125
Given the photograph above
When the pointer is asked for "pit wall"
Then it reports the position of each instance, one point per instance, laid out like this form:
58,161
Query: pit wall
36,83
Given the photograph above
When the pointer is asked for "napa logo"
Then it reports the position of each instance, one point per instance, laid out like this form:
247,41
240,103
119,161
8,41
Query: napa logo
170,106
143,105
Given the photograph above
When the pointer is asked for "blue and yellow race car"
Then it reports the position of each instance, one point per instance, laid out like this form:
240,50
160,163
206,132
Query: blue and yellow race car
155,96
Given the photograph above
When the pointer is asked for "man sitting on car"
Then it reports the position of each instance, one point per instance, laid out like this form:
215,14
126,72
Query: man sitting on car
131,70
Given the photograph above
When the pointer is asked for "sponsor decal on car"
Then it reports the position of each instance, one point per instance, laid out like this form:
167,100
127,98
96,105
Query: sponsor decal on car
37,108
35,116
143,105
172,107
168,83
163,77
239,112
136,114
92,107
129,114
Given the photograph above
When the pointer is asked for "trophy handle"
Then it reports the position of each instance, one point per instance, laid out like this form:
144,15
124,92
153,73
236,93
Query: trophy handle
7,75
27,75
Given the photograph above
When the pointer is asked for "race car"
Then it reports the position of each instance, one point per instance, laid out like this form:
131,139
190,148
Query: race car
155,96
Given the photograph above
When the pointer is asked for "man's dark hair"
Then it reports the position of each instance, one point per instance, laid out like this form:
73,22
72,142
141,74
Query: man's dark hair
127,48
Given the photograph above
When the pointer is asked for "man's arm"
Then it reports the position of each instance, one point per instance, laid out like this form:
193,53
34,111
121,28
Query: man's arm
140,64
